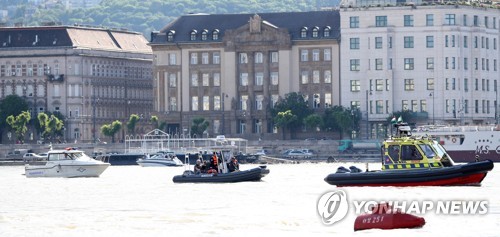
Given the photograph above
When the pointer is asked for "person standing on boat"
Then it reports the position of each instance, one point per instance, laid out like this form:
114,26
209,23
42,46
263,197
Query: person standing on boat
214,162
233,165
197,167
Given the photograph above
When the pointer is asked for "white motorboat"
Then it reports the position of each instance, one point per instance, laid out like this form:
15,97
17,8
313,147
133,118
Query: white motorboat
160,159
67,163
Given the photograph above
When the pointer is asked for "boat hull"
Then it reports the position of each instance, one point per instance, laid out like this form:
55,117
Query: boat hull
65,170
157,163
254,174
462,174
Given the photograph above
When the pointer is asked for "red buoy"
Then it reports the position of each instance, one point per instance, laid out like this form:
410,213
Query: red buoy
383,216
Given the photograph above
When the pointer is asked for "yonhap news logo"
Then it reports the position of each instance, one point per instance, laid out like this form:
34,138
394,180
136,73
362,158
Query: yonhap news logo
332,206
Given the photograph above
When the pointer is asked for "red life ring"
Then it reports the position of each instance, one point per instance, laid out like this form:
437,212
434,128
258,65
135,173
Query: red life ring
453,140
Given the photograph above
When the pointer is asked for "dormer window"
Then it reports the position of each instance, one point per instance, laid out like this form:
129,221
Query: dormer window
170,36
303,32
315,32
193,35
326,31
215,34
204,35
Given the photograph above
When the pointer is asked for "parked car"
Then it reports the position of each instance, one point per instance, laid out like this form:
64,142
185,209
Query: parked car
31,157
260,152
295,154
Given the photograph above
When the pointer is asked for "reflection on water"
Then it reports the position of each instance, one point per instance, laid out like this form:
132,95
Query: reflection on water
138,201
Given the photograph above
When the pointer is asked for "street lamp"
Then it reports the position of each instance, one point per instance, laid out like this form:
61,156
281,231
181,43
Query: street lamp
367,115
433,118
222,102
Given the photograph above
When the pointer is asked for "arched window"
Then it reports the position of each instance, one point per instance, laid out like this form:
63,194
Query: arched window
303,32
204,35
170,36
315,31
215,34
326,31
193,35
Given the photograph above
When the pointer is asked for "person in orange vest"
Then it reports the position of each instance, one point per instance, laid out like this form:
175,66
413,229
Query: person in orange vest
214,162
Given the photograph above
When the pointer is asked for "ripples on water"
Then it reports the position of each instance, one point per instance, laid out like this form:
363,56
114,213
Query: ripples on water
140,201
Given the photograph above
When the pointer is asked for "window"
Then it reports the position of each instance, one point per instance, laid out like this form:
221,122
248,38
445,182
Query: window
465,41
194,58
408,20
354,22
304,55
404,105
379,107
380,21
243,58
430,84
466,63
328,76
193,35
215,35
216,79
476,84
244,102
204,35
389,42
217,103
429,20
194,103
274,78
466,84
408,41
259,57
259,99
204,58
476,42
304,77
476,21
378,42
326,31
449,19
465,20
446,41
274,57
379,84
303,32
409,85
495,43
170,36
206,103
315,32
476,62
315,55
355,85
205,79
316,101
355,65
328,100
259,78
194,79
216,58
172,59
408,63
315,76
172,80
430,63
453,41
378,64
327,55
244,79
354,43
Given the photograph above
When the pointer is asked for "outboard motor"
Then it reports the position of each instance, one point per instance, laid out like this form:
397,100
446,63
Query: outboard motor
355,169
343,169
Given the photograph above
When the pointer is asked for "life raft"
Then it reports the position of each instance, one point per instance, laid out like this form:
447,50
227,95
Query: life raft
383,216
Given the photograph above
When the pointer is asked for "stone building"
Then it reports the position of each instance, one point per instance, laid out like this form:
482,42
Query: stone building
92,76
229,69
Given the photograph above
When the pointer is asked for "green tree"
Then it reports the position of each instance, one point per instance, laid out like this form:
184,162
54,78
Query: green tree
340,119
285,120
298,107
110,130
198,126
132,122
313,121
51,126
11,105
162,125
18,124
154,121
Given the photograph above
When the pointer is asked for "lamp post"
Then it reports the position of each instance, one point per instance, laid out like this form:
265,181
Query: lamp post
497,116
93,118
367,117
222,103
433,110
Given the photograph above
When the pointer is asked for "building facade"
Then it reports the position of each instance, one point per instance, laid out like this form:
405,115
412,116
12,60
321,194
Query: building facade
230,69
92,76
441,61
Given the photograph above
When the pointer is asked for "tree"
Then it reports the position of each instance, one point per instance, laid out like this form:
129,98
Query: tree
11,105
18,124
199,126
52,126
340,119
285,120
162,125
154,121
110,130
298,107
132,122
313,121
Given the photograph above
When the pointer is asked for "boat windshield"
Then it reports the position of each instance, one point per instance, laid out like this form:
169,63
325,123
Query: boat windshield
427,150
441,152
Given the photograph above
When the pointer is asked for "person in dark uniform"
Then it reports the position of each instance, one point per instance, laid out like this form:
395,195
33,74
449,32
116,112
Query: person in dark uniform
198,167
233,165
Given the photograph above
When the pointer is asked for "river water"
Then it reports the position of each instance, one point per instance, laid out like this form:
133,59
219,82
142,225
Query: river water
143,201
